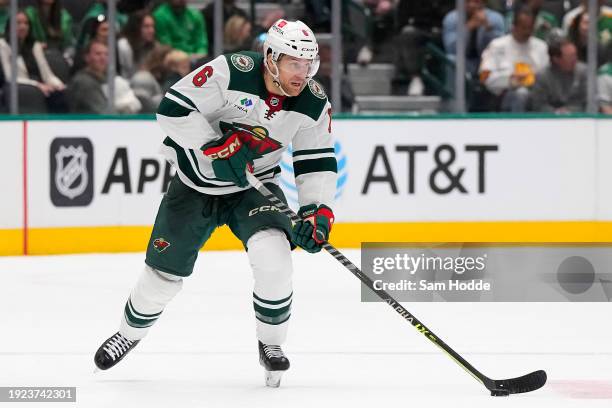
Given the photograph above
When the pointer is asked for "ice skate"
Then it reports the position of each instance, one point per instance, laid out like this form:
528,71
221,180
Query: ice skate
113,350
274,362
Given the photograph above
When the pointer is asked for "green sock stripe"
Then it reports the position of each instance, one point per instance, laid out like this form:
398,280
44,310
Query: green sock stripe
272,302
273,320
136,321
271,312
136,312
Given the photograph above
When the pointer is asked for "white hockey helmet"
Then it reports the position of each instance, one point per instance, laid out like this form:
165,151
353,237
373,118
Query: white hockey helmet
292,38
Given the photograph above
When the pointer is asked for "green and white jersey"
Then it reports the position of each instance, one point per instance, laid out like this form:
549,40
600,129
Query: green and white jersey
230,91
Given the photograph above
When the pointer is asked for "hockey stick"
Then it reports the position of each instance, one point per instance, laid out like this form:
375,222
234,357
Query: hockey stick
526,383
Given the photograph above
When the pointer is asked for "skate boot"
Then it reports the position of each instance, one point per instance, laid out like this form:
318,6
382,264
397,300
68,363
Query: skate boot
113,350
274,362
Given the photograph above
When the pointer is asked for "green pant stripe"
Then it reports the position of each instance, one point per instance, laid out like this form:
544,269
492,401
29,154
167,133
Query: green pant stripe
136,312
170,108
183,98
313,151
273,320
315,165
272,302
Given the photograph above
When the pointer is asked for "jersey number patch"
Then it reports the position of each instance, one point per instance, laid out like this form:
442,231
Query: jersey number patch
201,77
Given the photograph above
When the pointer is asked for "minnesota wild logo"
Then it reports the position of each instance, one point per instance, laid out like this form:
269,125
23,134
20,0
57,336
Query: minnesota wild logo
160,244
242,62
257,138
316,89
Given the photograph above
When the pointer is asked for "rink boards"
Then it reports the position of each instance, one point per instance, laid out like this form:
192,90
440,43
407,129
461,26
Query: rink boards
94,185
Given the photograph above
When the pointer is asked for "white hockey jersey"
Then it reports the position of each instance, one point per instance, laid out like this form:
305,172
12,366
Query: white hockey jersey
230,91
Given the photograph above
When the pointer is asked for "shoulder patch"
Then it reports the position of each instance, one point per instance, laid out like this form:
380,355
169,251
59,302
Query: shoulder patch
317,89
242,62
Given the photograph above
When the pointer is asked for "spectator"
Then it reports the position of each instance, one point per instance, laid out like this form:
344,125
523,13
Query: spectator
546,25
5,16
579,35
51,24
177,66
510,62
181,27
96,29
347,95
237,34
137,42
604,88
32,67
561,87
605,12
88,91
99,7
229,10
419,23
482,25
147,81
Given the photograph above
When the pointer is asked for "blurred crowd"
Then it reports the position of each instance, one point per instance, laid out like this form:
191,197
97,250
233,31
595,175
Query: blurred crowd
521,55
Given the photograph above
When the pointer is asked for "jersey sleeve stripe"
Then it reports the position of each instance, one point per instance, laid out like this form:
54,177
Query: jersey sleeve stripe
315,165
313,151
185,166
183,98
168,107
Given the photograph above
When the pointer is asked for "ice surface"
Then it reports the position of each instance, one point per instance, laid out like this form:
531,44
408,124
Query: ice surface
56,310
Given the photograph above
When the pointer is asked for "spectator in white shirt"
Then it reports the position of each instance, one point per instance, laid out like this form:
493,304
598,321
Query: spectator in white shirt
510,63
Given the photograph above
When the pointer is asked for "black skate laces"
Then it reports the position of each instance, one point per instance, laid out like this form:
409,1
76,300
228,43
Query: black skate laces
273,351
117,345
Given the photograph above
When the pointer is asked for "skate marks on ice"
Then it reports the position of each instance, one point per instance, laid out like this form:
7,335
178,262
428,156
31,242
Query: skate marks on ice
203,351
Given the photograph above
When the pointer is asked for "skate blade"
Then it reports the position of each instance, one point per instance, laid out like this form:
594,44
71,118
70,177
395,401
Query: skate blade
273,378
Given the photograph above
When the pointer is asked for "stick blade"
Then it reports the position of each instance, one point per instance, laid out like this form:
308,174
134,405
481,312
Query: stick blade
526,383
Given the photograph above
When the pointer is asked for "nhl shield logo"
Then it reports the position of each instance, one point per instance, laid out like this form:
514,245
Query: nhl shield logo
71,177
71,172
242,62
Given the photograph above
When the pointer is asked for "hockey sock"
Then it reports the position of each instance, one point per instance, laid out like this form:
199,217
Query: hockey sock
148,299
270,257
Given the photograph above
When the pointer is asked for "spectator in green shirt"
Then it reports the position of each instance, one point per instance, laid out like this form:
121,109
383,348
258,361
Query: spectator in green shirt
51,24
181,28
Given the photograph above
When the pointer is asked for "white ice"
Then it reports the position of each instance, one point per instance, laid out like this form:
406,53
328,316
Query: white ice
56,310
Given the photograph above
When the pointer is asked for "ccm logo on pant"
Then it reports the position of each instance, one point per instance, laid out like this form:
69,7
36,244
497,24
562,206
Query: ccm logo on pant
261,209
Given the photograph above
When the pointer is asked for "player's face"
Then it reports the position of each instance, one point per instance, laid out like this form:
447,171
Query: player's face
293,73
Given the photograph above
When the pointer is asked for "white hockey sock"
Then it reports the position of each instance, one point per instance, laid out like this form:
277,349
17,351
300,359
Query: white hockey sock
270,257
148,299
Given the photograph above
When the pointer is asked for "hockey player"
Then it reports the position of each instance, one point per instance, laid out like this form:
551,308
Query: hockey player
240,111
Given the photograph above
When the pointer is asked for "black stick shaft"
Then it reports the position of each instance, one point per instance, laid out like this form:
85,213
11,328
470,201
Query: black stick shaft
259,186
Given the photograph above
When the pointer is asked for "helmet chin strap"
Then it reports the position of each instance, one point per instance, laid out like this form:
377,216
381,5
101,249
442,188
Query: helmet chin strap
275,78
